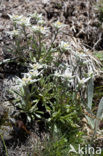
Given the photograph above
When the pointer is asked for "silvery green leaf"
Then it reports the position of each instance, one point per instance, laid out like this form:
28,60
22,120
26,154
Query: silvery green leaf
38,116
99,115
55,128
28,118
100,109
90,121
90,93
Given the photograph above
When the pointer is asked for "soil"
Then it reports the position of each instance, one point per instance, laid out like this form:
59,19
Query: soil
82,22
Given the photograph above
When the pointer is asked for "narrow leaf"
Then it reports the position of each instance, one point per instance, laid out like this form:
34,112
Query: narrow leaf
90,93
90,121
98,116
100,109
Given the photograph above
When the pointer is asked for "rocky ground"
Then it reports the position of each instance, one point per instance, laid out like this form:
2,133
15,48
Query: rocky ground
82,19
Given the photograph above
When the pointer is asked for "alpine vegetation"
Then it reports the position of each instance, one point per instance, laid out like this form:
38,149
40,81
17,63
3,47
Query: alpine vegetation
58,85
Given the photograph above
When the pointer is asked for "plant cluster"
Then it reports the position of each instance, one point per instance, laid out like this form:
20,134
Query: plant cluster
49,90
30,40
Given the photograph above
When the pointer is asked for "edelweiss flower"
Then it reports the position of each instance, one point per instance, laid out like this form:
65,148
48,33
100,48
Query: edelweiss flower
36,16
15,17
57,74
39,29
26,79
29,78
58,25
21,20
34,73
41,22
36,66
64,45
68,74
24,21
82,81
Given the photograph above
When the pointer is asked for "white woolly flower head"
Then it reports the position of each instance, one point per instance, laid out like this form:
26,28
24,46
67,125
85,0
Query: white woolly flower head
24,21
29,78
67,74
36,16
25,80
83,80
36,66
15,17
21,20
40,29
41,22
64,45
58,25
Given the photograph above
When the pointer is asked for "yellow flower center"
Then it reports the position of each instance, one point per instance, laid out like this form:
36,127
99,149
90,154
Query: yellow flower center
16,16
66,45
25,79
15,31
41,28
59,23
23,19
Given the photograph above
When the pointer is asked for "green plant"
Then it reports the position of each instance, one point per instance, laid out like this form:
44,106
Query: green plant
52,89
25,94
55,145
30,40
40,95
25,104
93,121
64,113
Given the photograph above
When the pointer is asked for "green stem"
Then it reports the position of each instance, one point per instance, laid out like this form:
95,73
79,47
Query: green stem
24,31
39,49
4,145
52,42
